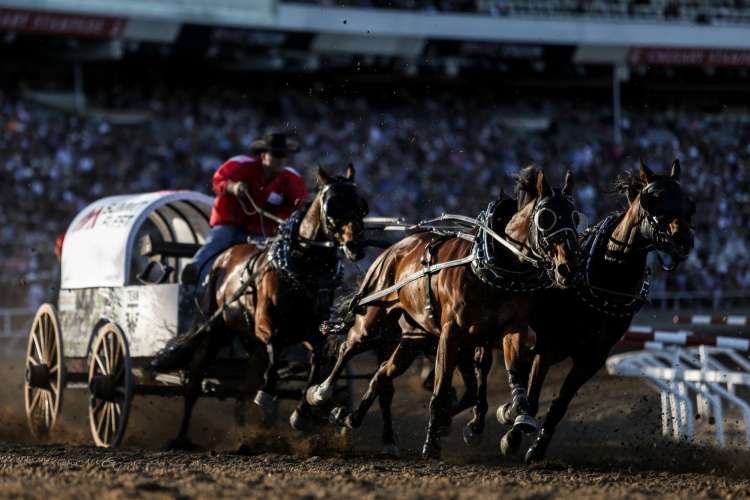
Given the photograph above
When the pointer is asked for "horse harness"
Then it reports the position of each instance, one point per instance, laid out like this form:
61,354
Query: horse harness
483,258
603,300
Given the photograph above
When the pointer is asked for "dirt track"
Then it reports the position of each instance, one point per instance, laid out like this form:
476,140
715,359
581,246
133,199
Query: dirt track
610,446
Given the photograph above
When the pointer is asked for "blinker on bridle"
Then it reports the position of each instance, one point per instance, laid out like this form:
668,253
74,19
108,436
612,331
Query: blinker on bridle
548,233
330,225
655,229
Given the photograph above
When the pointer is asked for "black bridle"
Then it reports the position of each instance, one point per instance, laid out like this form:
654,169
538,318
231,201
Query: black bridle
550,227
653,222
332,223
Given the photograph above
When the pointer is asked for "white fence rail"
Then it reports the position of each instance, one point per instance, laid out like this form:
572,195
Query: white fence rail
704,378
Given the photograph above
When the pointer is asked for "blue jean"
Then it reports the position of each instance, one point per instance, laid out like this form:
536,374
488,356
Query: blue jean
219,239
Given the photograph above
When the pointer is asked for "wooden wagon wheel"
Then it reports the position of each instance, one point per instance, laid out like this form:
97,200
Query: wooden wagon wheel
44,377
110,382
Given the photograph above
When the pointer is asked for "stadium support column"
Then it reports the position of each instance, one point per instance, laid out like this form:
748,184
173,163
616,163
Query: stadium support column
620,73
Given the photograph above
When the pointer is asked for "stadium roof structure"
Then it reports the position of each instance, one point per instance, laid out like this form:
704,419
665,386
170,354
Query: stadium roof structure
354,27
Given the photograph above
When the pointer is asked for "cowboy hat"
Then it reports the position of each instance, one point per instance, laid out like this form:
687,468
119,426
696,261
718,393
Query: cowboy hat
277,144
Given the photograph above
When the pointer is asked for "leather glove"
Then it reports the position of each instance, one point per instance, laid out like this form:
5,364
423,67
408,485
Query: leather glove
237,188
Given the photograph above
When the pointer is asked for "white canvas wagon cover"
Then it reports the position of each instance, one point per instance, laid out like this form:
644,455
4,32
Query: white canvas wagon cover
99,244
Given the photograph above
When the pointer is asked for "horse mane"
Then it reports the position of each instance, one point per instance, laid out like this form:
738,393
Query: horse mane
525,187
628,183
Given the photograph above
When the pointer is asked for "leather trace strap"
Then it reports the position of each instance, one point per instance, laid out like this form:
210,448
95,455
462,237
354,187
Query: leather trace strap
413,277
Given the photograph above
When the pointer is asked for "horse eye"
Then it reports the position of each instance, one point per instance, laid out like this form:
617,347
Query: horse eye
546,219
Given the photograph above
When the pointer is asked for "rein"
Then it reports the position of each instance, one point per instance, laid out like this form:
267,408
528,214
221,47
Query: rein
397,225
304,242
393,224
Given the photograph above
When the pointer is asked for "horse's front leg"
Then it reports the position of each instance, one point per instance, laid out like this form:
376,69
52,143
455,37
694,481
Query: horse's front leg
445,363
580,373
381,386
475,427
265,332
356,342
516,413
204,353
300,416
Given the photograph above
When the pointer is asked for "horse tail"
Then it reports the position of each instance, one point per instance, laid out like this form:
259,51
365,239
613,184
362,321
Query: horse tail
345,308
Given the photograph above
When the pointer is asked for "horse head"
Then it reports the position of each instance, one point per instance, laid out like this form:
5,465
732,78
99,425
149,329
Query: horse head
660,213
342,210
551,221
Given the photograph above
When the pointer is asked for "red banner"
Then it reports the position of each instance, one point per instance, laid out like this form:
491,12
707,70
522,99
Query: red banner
690,57
58,23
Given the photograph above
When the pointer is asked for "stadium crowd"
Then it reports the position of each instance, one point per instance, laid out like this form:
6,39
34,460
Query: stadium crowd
415,157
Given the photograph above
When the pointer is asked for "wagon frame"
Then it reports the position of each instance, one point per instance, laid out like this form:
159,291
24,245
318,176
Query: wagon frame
120,301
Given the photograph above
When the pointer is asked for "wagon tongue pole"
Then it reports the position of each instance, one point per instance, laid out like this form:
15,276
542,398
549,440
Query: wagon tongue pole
38,376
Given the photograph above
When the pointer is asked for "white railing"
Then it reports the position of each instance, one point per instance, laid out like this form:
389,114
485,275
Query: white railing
710,373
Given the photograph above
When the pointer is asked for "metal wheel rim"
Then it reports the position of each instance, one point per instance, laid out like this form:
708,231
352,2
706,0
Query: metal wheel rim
108,355
44,347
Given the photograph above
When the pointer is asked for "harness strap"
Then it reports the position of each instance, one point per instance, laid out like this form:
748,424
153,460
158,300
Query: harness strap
504,242
432,247
413,277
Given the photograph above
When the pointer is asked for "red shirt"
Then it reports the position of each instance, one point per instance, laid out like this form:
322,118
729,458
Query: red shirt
279,196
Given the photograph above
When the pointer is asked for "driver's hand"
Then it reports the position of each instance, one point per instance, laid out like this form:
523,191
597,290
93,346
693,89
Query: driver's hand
237,188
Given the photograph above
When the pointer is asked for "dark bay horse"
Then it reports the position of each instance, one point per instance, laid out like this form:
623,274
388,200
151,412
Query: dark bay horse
585,322
290,292
455,306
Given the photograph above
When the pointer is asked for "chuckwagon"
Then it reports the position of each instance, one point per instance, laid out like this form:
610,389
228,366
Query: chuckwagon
120,301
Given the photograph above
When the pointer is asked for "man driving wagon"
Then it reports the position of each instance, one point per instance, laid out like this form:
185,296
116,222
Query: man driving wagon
252,194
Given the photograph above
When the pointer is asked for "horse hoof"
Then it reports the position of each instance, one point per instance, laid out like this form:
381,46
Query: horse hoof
315,395
510,443
533,455
391,450
265,401
430,452
502,414
526,424
338,417
471,438
297,421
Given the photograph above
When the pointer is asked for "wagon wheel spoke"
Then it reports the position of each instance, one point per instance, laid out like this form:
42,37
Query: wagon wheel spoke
37,348
115,354
105,348
35,399
113,418
53,369
47,409
43,338
118,409
98,405
34,362
99,363
52,353
100,419
120,370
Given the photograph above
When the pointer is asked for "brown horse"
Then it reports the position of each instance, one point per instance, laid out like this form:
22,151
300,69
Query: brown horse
275,297
455,306
585,322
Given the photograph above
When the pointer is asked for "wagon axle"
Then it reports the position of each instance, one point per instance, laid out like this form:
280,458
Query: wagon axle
38,376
